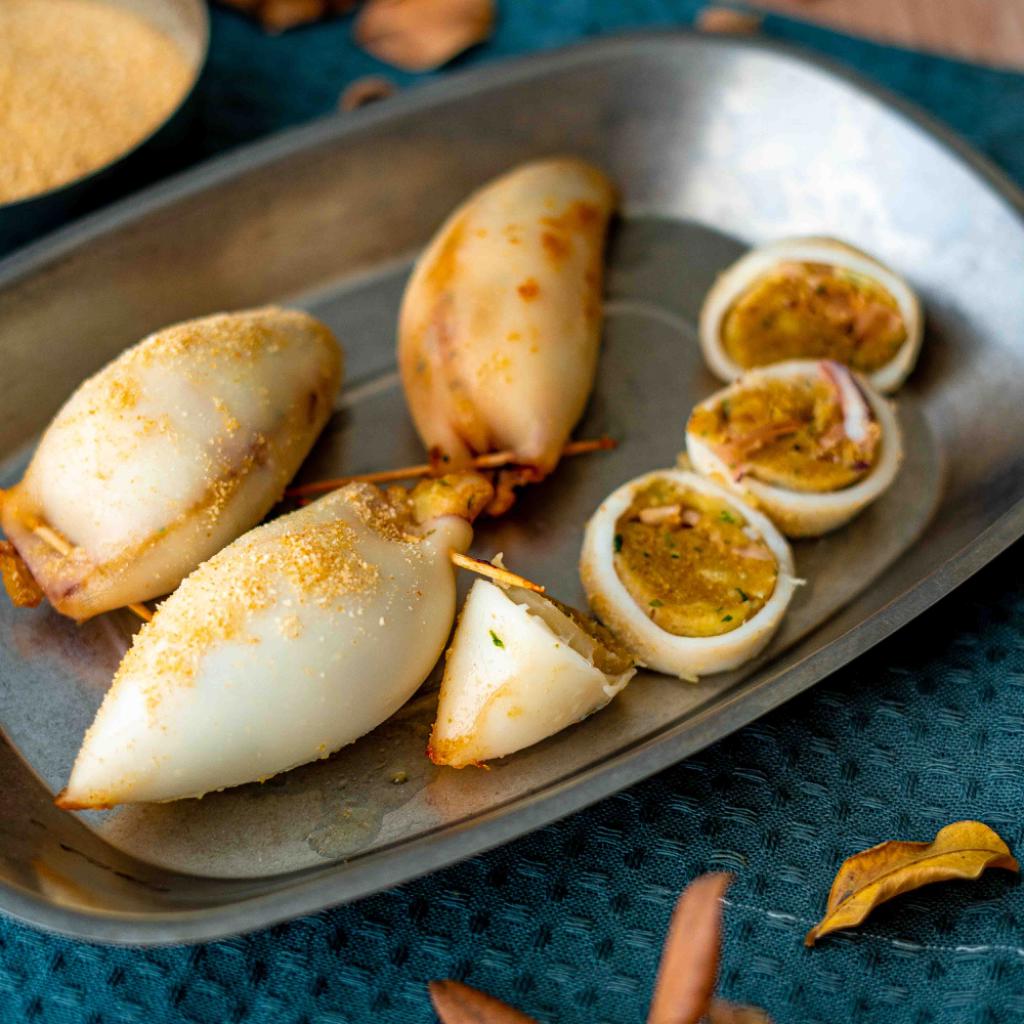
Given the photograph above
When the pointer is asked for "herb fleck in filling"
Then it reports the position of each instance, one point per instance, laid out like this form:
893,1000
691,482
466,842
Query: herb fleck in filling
691,561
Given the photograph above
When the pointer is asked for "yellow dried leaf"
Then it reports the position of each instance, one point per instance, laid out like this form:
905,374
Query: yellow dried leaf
961,850
419,35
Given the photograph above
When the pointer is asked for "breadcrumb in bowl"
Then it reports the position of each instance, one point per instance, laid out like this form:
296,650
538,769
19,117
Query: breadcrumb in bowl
91,93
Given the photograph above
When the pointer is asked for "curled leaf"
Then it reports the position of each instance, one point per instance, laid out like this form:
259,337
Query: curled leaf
419,35
18,581
689,964
961,850
456,1003
278,15
728,20
686,976
721,1012
363,91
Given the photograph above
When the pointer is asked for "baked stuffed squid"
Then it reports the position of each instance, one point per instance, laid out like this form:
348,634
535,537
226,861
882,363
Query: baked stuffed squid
501,320
167,454
292,642
687,576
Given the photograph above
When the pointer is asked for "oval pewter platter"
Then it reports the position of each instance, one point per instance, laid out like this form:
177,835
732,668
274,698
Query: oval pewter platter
716,144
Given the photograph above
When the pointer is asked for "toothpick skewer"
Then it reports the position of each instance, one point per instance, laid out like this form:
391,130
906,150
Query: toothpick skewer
54,539
493,460
480,567
62,547
494,572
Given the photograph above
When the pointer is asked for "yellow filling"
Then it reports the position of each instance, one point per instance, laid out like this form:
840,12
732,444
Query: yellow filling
687,561
787,433
814,311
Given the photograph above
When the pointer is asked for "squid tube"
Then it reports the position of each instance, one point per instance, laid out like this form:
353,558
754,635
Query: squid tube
500,323
167,454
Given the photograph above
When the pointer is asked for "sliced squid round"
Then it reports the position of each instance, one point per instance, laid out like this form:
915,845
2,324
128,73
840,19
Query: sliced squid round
812,298
500,323
808,442
521,668
294,641
689,578
168,453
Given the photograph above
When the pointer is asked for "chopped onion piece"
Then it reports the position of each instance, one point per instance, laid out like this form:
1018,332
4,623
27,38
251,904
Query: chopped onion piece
856,411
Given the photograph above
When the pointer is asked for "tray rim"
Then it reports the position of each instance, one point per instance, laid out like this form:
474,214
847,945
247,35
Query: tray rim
400,864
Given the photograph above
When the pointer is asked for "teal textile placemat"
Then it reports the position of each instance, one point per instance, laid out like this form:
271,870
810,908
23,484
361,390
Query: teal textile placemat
567,923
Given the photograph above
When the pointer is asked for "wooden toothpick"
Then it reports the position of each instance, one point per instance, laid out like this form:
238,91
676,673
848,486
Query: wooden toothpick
498,573
494,572
493,460
62,547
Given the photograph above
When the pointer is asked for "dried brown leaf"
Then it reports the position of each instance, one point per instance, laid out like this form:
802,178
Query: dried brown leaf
456,1003
686,975
728,20
18,580
689,963
722,1012
365,90
961,850
278,15
418,35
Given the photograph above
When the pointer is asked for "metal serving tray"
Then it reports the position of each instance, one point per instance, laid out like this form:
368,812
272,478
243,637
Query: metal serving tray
716,144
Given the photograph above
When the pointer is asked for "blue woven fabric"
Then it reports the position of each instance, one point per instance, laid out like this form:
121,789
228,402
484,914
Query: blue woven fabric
567,923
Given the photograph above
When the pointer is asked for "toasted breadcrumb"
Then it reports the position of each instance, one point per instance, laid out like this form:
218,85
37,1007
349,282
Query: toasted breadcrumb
81,81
